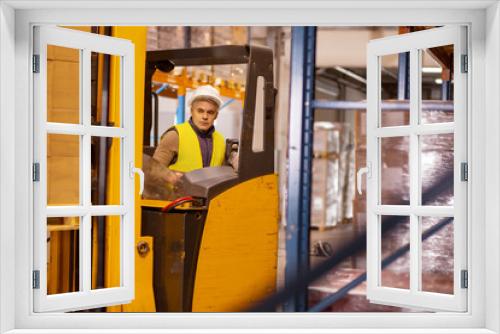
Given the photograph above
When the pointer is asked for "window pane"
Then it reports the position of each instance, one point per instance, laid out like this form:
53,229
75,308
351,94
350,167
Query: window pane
437,254
105,89
395,252
437,169
63,169
437,84
106,252
63,84
395,181
260,108
394,108
106,171
63,255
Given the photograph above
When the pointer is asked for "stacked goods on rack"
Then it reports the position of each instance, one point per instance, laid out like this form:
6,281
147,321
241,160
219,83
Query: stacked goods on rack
331,200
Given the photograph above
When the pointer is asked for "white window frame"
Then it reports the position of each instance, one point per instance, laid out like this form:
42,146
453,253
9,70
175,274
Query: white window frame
415,43
16,20
85,43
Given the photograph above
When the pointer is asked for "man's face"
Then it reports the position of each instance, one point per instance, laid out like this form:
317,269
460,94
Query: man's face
204,113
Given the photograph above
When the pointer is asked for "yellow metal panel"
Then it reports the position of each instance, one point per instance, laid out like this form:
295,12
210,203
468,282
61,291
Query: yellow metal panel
144,297
112,252
238,254
94,254
144,294
153,203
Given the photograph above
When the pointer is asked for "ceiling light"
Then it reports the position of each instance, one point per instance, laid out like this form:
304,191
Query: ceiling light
350,74
432,70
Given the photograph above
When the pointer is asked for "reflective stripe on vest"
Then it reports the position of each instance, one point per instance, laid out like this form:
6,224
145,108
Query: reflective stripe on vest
189,153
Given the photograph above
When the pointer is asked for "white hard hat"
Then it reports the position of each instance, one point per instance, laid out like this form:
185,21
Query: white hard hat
206,92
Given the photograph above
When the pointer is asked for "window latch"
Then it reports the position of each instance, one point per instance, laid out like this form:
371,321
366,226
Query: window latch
133,170
364,170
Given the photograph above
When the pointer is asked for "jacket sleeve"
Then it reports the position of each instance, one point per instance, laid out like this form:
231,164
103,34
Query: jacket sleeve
166,151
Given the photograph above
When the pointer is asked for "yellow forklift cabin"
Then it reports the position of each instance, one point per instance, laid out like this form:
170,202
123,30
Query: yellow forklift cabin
215,246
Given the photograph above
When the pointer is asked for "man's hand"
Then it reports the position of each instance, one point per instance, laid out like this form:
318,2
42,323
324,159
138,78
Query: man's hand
233,160
173,177
159,182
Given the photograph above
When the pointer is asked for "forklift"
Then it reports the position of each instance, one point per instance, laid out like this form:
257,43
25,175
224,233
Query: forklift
215,246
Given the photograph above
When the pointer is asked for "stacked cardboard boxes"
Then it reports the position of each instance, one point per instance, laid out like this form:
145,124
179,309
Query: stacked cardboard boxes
332,171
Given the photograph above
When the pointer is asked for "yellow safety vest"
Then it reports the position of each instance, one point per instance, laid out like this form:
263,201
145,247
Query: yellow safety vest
189,153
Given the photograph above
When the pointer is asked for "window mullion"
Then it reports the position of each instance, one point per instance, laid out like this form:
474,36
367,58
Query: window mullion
414,170
76,129
40,153
85,252
420,129
419,210
127,117
85,228
372,180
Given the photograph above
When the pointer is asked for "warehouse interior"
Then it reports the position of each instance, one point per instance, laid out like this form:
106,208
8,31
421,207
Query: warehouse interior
266,269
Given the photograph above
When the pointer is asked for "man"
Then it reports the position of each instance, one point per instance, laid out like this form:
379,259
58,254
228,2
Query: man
194,144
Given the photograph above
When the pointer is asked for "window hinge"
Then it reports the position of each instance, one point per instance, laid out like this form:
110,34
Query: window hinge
36,279
36,172
465,279
465,64
36,63
464,171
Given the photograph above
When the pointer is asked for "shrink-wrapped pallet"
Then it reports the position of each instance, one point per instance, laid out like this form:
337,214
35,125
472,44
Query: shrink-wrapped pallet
331,172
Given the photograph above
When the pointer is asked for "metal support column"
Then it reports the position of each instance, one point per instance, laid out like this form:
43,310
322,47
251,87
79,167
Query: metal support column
187,37
300,153
180,112
446,90
404,76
